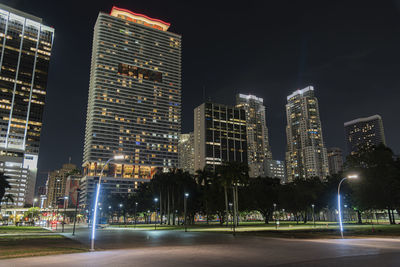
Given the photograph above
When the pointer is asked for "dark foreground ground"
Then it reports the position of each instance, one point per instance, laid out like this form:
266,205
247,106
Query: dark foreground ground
128,247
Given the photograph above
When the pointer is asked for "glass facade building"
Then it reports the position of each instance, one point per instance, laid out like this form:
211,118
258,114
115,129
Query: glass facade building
186,152
219,135
134,104
25,50
306,154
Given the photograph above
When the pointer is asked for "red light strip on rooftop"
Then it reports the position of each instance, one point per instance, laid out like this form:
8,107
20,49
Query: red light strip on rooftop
140,15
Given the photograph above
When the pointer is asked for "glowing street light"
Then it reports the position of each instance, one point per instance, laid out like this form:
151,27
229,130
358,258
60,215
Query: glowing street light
352,176
185,205
313,214
116,157
155,215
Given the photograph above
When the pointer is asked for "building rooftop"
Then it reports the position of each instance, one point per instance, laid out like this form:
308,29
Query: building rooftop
20,13
301,91
252,97
139,18
374,117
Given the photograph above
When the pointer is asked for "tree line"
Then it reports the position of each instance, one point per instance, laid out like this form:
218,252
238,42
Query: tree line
228,190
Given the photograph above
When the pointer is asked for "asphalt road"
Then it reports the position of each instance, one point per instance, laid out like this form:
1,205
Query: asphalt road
127,247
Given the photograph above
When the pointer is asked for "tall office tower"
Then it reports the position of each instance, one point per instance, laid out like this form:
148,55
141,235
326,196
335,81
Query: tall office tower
186,152
134,106
57,183
364,132
24,61
306,154
335,160
219,135
258,148
275,169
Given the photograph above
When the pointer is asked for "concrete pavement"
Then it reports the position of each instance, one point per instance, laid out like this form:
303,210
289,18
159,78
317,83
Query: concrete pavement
126,247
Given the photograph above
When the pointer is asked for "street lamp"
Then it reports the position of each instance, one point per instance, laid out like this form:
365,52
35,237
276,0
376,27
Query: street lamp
65,210
155,215
116,157
185,205
135,214
276,225
34,201
313,214
353,176
78,191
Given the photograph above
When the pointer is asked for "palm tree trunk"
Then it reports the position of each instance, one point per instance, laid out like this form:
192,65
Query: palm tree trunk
168,211
226,205
234,205
237,206
173,206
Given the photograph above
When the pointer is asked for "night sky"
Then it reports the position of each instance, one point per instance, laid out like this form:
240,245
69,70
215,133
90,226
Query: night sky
348,50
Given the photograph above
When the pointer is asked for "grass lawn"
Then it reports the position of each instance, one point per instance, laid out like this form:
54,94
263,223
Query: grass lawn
21,230
286,229
27,243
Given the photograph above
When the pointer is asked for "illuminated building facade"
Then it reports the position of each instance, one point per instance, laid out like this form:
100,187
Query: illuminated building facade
258,148
364,132
335,160
306,154
25,50
275,169
186,152
219,135
134,105
57,184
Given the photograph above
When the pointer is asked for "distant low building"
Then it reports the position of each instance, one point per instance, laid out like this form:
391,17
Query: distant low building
364,132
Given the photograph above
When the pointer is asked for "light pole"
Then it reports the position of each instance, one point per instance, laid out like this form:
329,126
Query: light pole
135,214
65,211
120,211
276,225
313,214
76,208
185,207
33,207
116,157
353,176
155,215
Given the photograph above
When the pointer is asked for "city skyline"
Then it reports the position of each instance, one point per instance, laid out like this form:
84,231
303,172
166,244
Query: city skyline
327,70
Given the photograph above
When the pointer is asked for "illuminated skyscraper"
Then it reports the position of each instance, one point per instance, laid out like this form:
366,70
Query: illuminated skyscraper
364,132
306,154
258,149
186,152
219,135
25,50
134,105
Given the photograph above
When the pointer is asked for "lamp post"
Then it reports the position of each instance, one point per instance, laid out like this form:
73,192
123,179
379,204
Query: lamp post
313,214
120,211
276,225
65,211
33,207
116,157
76,208
353,176
135,214
155,215
185,207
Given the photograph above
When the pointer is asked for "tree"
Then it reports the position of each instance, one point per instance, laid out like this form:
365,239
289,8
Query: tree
260,195
4,184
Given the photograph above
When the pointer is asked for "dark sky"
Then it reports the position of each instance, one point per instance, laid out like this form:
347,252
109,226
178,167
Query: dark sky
348,50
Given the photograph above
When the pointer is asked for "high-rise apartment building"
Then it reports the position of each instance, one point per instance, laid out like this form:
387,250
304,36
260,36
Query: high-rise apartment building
134,96
306,154
258,148
364,132
219,135
186,152
25,50
335,160
57,183
275,169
